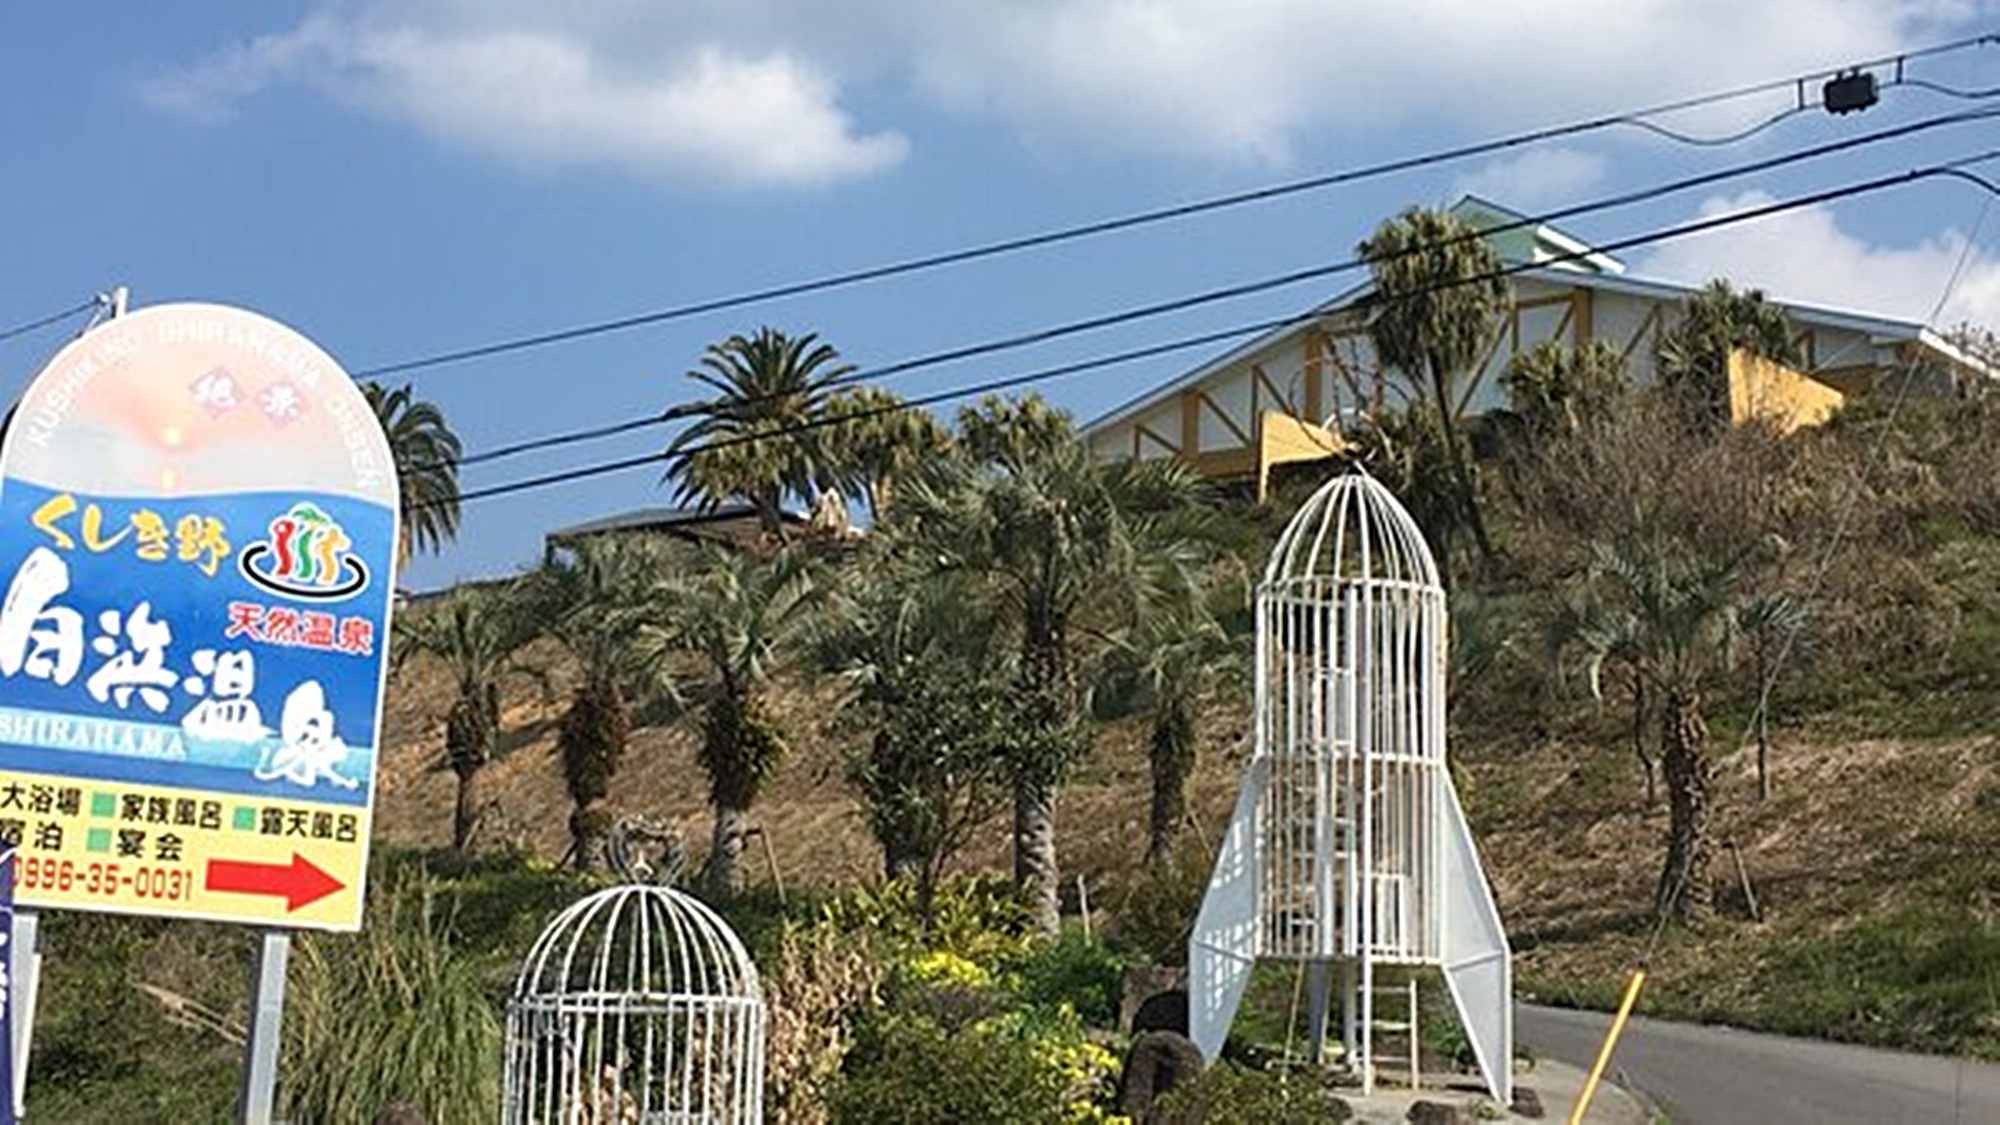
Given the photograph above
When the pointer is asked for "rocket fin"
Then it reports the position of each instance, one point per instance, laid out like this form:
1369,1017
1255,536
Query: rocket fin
1223,946
1478,966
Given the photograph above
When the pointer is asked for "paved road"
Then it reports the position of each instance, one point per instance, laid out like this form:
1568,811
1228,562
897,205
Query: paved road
1721,1076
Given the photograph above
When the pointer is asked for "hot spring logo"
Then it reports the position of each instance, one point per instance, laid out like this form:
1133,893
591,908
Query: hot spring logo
305,557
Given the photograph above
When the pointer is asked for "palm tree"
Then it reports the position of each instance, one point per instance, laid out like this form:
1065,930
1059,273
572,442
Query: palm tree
1692,357
426,454
1056,543
872,440
756,438
1773,622
592,601
740,618
475,633
1667,612
1163,668
1437,290
1552,389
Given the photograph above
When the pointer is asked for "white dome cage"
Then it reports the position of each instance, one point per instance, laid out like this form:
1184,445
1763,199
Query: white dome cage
1348,847
636,1006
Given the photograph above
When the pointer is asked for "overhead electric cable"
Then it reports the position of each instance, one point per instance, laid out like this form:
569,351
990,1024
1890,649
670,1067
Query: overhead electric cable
51,319
902,367
1951,169
1634,118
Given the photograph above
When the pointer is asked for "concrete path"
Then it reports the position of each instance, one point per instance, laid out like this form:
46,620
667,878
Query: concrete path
1721,1076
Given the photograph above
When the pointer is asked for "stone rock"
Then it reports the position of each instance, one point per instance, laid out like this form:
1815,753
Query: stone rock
1436,1113
400,1113
1527,1103
1140,986
1157,1062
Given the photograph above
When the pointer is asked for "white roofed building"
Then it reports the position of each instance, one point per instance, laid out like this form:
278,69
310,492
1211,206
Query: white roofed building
1285,395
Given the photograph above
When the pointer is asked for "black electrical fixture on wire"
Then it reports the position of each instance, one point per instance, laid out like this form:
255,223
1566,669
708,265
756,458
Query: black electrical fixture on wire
1851,92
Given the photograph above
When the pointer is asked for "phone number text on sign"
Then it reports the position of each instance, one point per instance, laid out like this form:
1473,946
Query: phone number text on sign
108,879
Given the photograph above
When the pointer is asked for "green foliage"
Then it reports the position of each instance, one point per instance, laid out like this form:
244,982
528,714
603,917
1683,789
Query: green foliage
1227,1093
105,1051
1692,357
979,919
393,1013
756,438
1074,971
426,453
1920,978
936,768
1156,912
911,1070
1552,388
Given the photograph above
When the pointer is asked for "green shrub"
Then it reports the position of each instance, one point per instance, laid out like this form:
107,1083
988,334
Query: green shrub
1017,1068
909,1069
1074,970
393,1013
1156,912
979,919
1227,1093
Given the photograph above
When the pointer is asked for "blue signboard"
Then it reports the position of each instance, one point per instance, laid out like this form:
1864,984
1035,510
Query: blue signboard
197,537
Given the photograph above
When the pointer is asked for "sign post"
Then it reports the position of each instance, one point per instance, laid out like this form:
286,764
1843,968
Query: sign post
198,519
10,1103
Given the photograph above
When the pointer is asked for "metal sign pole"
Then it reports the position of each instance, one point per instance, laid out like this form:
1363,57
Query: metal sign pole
17,929
267,1017
267,1027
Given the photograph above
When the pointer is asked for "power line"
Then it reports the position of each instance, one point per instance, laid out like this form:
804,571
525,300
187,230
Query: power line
1212,296
1952,169
52,318
1633,118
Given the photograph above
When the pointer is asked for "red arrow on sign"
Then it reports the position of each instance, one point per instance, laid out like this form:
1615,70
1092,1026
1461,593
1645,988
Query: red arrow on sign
300,882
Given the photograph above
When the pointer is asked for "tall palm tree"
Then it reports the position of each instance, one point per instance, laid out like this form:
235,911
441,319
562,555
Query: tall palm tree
740,618
1666,612
755,438
426,453
475,633
1437,291
592,601
1056,541
872,441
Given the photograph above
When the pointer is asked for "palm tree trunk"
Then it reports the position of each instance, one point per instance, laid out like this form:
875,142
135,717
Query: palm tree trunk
723,877
1468,497
1762,719
1171,759
585,827
1685,888
465,811
1035,866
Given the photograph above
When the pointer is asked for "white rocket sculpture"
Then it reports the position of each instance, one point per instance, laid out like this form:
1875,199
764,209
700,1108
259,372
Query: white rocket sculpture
1348,847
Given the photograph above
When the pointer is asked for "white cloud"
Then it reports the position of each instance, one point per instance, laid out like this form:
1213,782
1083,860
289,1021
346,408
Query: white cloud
694,84
1248,80
1805,256
1536,179
541,98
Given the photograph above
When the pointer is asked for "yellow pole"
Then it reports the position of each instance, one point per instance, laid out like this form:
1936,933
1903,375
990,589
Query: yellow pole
1610,1041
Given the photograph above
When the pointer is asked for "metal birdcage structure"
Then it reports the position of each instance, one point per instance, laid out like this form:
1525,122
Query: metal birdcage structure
1348,849
636,1006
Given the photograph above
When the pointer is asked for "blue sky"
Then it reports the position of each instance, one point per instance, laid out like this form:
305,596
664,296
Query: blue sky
401,179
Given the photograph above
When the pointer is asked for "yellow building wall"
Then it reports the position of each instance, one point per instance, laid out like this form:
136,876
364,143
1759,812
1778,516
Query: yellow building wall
1284,440
1788,400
